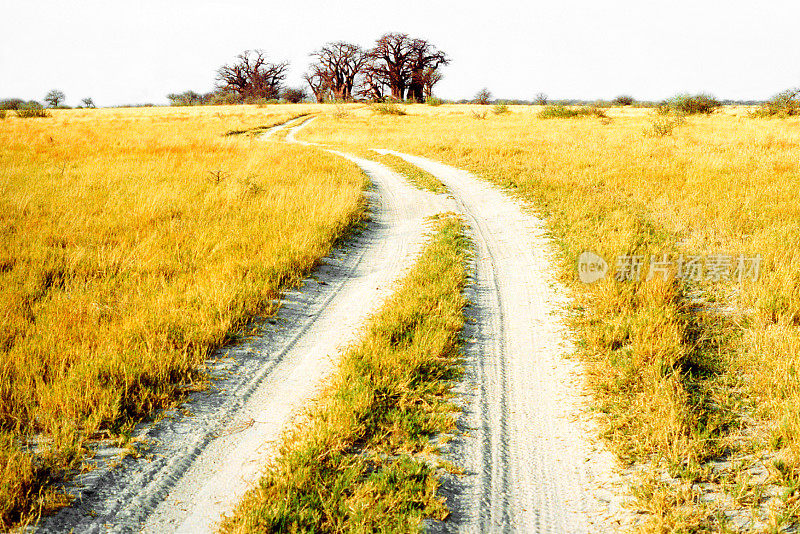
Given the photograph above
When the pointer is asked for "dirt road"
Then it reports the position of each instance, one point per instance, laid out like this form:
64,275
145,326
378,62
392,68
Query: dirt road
529,465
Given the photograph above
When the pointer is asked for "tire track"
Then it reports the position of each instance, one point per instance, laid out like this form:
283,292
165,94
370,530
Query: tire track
530,466
201,465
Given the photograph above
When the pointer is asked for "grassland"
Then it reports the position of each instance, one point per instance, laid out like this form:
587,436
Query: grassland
357,462
135,242
682,373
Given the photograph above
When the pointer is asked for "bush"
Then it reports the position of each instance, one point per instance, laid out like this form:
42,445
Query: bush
483,97
690,105
433,101
784,104
500,108
31,110
663,125
540,99
294,95
560,111
388,108
2,114
478,115
623,100
11,104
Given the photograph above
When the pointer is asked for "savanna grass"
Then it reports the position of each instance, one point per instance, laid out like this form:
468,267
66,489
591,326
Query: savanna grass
681,373
134,243
354,464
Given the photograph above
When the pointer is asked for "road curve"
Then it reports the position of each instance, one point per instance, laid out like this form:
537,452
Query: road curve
200,465
530,467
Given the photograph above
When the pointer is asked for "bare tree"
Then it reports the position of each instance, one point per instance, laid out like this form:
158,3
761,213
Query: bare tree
392,53
424,57
373,81
318,84
431,77
406,65
484,96
54,98
252,76
339,63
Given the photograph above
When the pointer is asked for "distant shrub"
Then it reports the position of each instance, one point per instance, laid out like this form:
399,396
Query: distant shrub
433,101
784,104
540,99
54,98
31,110
222,98
623,100
690,105
483,97
662,125
11,104
187,98
294,95
500,108
388,108
560,111
2,114
88,103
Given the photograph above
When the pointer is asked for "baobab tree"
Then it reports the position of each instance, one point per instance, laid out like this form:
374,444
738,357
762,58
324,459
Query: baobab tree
423,61
252,76
431,77
339,63
404,63
373,82
316,80
391,54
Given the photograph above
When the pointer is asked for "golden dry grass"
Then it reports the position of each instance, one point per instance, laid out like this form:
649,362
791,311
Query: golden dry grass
676,383
134,242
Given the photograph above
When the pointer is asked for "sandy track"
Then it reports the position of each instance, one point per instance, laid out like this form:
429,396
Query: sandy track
530,466
201,465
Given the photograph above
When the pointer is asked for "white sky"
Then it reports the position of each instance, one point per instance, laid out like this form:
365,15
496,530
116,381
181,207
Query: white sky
138,51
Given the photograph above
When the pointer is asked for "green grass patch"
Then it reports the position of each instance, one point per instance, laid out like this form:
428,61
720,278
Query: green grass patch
361,460
415,175
563,112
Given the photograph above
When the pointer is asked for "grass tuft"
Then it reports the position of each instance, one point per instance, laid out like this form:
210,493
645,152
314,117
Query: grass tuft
135,242
415,175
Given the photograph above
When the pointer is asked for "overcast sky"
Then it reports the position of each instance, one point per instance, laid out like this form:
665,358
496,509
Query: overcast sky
139,51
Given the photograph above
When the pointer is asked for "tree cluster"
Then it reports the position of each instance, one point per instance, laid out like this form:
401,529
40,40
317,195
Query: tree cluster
397,65
252,77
